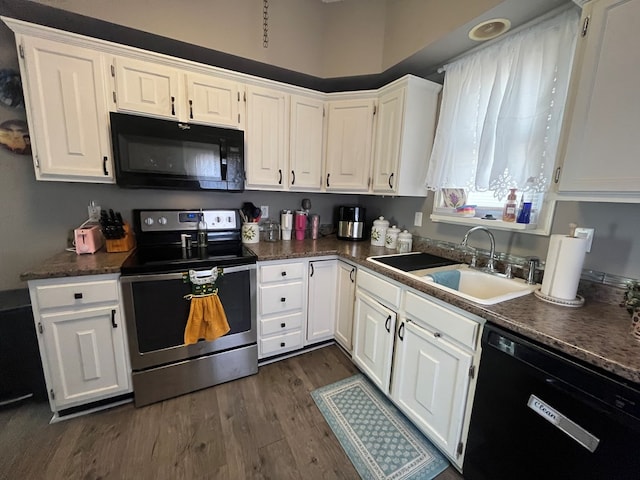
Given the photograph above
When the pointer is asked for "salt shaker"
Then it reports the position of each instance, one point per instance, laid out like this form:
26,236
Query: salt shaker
379,232
391,239
405,242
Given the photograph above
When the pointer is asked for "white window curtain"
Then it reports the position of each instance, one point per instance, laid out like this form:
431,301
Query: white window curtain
502,109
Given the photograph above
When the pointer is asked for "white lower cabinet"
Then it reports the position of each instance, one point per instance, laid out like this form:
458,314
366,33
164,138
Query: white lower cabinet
373,339
345,301
296,304
420,352
282,305
321,309
81,338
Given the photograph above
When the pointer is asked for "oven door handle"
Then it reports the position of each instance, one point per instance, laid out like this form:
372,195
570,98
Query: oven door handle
178,275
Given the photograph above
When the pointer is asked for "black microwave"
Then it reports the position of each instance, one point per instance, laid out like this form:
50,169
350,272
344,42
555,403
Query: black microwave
153,153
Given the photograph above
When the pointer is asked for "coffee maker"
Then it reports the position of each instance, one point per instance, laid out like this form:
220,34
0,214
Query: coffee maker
351,219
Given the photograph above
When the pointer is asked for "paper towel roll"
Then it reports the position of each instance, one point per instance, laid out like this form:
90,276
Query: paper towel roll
563,266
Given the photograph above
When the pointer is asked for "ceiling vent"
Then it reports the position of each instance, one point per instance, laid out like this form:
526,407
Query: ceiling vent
490,29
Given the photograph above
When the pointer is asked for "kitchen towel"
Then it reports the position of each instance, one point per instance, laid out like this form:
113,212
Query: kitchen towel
207,318
447,278
563,267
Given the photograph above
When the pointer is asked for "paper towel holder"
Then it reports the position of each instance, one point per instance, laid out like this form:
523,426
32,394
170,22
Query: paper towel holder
577,302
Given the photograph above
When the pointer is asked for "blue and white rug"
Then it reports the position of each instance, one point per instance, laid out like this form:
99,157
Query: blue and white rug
380,442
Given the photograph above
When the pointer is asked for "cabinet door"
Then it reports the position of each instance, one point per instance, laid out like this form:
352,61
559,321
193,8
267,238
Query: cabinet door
430,384
305,144
349,137
266,138
345,304
387,141
374,327
67,111
214,100
144,87
602,138
85,355
321,307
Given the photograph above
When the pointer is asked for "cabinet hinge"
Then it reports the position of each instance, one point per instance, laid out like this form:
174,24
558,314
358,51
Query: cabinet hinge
472,371
114,96
585,26
37,161
40,327
113,71
556,179
52,394
460,448
21,50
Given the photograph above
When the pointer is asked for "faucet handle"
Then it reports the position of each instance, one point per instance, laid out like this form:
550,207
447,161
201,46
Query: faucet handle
533,266
508,271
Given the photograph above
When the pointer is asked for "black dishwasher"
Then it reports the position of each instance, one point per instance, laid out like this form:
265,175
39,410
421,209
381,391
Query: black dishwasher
538,414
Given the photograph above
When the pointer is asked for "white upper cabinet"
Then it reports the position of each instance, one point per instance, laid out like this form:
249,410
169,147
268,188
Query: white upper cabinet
146,87
65,94
172,93
603,113
214,100
349,145
266,138
405,126
306,143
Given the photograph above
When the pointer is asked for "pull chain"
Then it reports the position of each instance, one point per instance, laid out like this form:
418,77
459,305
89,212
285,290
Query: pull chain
265,23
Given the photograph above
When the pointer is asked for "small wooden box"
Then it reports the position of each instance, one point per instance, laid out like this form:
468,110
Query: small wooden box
123,244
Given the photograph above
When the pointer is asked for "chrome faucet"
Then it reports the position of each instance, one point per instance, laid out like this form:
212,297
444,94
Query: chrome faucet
491,263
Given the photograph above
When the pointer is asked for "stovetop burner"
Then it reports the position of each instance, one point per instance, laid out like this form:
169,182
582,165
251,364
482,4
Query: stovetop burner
159,248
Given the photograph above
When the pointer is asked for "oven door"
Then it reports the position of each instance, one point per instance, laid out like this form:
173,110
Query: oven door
156,314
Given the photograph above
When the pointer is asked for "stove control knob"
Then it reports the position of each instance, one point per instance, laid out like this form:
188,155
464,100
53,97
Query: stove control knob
162,221
148,221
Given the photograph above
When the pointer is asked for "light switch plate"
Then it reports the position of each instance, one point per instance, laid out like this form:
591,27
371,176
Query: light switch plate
417,220
587,233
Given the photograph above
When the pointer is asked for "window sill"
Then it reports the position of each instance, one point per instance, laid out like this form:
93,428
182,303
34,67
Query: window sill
531,228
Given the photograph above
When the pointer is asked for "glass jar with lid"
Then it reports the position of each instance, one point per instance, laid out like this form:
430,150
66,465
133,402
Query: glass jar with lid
271,231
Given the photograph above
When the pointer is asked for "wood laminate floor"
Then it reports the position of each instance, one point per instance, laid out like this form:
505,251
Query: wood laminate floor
265,426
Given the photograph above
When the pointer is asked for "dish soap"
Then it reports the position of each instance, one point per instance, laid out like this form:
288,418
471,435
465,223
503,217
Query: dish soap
510,207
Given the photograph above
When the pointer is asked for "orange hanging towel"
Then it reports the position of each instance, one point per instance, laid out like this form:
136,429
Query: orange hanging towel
206,319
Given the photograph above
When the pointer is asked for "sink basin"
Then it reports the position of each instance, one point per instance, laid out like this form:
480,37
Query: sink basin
479,287
475,285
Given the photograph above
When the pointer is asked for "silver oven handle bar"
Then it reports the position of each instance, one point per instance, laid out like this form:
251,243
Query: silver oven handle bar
178,275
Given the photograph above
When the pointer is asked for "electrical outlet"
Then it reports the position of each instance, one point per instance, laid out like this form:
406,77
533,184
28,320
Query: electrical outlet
587,233
417,220
265,212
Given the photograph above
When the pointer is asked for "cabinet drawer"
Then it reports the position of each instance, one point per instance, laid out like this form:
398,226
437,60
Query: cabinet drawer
280,298
442,320
281,343
281,272
76,294
281,324
379,288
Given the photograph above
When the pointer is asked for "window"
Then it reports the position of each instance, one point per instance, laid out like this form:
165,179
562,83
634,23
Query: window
501,115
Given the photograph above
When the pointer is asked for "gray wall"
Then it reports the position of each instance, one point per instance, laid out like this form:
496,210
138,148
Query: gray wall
36,217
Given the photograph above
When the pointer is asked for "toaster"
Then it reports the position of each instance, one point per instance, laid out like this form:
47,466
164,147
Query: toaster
88,239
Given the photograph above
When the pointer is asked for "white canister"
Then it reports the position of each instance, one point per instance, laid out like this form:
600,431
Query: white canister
405,242
250,232
379,232
391,239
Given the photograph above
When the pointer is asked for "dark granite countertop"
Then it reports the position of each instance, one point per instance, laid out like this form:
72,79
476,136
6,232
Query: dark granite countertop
597,333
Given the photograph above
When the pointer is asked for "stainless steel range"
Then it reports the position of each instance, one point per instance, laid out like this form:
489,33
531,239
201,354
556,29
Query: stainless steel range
156,309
